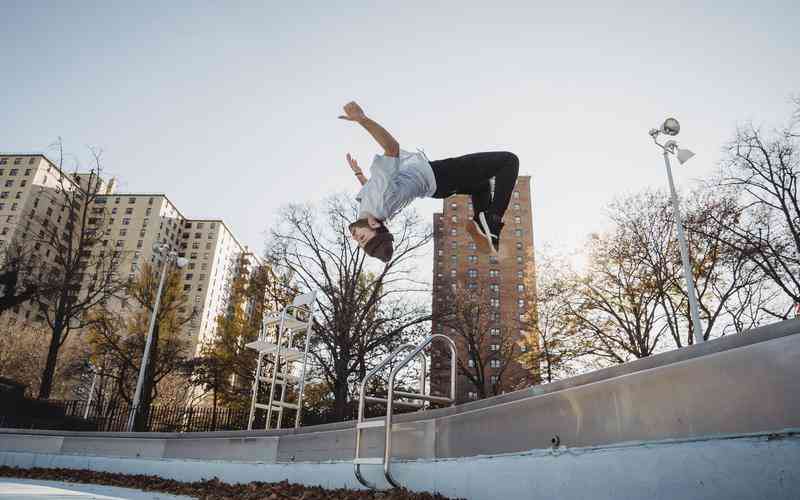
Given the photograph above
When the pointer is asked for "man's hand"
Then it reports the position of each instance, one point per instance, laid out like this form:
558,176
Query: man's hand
353,112
353,164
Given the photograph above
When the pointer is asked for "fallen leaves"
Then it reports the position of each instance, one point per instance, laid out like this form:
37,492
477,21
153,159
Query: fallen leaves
213,489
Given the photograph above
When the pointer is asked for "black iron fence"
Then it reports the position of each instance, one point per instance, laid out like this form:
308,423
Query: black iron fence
113,417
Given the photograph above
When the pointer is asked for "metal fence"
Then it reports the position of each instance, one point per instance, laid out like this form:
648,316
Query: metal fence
113,417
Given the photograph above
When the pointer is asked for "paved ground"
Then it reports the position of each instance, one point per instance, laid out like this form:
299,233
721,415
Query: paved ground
28,489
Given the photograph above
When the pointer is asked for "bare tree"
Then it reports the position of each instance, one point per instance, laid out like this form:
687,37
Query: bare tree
721,274
364,309
616,303
489,352
69,264
763,170
554,344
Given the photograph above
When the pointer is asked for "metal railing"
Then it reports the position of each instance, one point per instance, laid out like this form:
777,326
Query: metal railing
390,402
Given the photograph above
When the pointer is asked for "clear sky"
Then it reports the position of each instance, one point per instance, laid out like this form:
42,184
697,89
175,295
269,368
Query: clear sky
230,107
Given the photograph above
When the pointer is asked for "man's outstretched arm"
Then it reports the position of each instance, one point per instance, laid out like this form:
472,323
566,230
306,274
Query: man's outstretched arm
354,113
357,170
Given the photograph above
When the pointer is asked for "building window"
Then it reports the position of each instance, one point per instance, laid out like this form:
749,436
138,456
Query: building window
471,363
472,259
520,288
13,171
516,194
495,288
516,206
131,201
494,347
453,232
493,379
139,244
518,233
128,210
125,221
123,232
9,184
150,201
189,276
452,273
453,244
196,246
494,331
517,219
193,255
520,274
523,348
117,200
120,243
472,395
187,287
519,259
520,302
494,302
148,211
472,285
472,273
454,219
440,252
494,273
494,363
519,245
471,246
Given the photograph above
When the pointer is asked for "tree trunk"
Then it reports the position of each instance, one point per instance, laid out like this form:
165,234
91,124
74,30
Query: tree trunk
46,386
340,408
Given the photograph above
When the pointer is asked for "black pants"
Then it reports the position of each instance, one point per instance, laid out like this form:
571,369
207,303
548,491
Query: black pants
470,174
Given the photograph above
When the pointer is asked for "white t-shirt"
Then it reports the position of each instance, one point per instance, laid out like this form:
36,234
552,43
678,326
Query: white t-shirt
394,183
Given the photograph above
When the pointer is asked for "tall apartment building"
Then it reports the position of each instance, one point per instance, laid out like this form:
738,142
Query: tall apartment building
457,264
132,223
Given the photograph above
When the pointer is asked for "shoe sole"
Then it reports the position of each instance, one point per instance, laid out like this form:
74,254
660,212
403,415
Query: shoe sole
483,243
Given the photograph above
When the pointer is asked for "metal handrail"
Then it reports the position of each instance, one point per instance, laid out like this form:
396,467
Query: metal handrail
387,452
361,400
417,350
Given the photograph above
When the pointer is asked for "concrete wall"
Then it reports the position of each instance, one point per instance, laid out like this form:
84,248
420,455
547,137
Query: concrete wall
752,467
732,386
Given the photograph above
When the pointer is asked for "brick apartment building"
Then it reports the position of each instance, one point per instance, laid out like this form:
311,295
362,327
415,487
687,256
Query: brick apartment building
501,282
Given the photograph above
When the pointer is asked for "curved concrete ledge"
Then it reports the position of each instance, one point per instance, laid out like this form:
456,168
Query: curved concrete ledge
735,385
740,384
746,467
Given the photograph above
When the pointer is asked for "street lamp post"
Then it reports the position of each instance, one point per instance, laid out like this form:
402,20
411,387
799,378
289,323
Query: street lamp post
180,262
671,127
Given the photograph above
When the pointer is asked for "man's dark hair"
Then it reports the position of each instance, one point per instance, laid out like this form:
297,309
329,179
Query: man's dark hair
381,245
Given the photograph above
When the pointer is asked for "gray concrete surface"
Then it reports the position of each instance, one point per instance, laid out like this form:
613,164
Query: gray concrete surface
747,467
740,384
29,489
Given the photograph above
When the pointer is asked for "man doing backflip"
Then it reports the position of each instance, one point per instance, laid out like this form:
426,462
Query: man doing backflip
398,177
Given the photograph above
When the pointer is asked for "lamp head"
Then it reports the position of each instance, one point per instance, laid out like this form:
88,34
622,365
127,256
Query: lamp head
683,155
671,127
181,262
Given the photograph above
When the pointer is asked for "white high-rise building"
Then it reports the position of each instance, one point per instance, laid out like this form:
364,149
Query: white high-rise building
132,223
